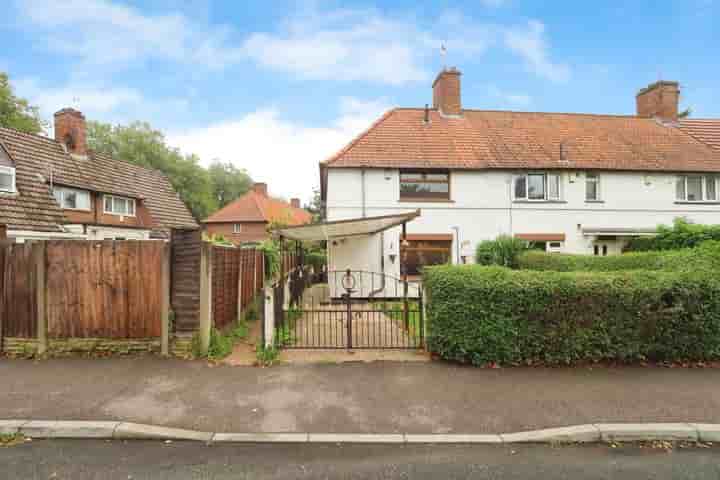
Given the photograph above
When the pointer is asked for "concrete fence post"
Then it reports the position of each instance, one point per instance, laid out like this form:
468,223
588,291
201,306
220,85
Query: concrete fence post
269,323
38,260
205,320
165,305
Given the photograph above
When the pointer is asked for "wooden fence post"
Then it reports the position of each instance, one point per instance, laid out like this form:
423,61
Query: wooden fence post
3,232
38,261
165,306
241,270
205,319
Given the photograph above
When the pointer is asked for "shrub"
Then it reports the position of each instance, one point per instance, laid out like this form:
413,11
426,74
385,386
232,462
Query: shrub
682,234
502,251
484,315
707,255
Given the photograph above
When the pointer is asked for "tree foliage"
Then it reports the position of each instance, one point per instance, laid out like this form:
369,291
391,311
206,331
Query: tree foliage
315,207
16,112
202,190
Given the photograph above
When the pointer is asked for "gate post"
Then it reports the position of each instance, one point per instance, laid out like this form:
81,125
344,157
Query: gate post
205,297
269,317
165,305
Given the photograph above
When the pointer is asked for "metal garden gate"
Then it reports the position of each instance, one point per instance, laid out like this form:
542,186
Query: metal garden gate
364,310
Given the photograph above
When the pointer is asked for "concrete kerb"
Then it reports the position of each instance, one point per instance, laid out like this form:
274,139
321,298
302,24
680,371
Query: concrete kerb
607,432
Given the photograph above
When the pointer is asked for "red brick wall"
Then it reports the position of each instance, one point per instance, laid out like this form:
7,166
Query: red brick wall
250,231
70,122
446,92
3,232
97,215
659,100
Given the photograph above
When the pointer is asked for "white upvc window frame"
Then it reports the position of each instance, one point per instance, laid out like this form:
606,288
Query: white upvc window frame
237,228
593,177
112,198
682,180
13,179
59,194
546,190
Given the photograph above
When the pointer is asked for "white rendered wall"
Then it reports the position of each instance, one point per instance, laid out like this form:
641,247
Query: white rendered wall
482,208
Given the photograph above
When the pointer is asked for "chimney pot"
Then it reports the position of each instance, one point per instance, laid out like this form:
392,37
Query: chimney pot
260,188
446,92
659,100
295,202
71,130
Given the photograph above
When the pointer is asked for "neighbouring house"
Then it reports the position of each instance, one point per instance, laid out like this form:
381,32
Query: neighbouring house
58,188
247,218
567,182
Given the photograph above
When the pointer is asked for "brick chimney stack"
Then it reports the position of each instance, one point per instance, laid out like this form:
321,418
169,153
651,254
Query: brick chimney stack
71,131
260,188
659,100
446,92
295,202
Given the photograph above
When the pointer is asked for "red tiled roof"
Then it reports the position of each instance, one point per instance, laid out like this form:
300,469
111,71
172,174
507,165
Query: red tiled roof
499,139
255,207
38,159
704,129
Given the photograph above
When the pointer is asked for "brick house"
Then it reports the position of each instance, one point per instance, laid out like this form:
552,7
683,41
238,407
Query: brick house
58,188
247,218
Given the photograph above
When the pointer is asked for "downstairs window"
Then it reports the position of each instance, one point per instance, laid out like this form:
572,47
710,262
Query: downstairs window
424,253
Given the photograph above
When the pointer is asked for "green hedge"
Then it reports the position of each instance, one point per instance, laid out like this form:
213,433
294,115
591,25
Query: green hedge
707,255
488,315
681,235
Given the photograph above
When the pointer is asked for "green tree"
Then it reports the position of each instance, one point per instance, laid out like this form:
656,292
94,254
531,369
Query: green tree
315,207
143,145
16,112
228,181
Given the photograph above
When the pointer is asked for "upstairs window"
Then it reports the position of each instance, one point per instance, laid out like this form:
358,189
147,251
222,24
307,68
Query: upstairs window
696,188
237,228
537,187
119,206
592,187
424,185
71,198
7,179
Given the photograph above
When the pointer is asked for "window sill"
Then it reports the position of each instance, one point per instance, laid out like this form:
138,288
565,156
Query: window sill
594,201
86,210
680,202
125,215
426,200
531,202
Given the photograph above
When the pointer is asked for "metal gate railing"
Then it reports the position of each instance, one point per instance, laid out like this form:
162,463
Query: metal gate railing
354,320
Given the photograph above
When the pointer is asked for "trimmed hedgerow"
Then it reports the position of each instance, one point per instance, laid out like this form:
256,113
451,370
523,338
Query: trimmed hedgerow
680,235
484,315
503,251
706,255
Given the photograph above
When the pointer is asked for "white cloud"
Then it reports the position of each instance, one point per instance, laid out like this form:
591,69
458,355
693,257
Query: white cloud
102,32
278,151
531,44
98,102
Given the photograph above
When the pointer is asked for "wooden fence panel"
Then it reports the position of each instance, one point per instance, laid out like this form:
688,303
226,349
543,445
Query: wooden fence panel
109,289
17,292
185,279
226,271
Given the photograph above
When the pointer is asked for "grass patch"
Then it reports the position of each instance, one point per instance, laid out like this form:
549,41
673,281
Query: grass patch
10,439
266,356
221,344
396,311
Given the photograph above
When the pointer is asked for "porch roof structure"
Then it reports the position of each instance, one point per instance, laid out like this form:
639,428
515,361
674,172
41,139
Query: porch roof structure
620,232
345,228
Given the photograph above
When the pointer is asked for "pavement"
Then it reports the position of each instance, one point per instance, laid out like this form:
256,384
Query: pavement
380,397
80,460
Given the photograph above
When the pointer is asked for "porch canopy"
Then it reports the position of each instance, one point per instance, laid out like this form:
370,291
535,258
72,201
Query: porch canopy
345,228
619,232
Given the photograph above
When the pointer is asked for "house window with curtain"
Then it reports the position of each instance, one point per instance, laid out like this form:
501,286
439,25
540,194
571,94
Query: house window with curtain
7,179
237,228
424,185
119,206
592,187
72,198
423,252
696,188
537,187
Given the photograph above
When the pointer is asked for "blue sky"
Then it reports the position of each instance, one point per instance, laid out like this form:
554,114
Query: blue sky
276,86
